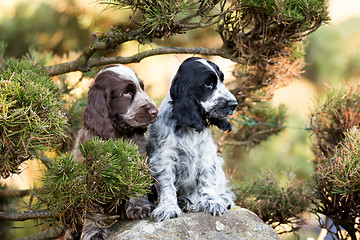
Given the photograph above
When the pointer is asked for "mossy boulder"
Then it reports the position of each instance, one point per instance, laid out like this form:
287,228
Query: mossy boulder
237,223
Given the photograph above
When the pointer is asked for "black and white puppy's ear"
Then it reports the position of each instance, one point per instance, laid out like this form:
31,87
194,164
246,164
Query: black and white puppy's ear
186,114
186,110
222,124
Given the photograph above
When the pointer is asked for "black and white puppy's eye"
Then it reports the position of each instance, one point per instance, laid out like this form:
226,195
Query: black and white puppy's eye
209,85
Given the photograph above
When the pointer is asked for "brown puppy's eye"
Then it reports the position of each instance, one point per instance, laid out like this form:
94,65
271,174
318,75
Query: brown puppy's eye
129,92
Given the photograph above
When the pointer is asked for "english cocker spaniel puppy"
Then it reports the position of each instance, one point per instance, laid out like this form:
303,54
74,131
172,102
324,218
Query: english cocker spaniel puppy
181,151
117,107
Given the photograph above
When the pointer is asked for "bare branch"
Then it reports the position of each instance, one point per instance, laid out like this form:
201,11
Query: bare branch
26,215
107,41
14,193
77,65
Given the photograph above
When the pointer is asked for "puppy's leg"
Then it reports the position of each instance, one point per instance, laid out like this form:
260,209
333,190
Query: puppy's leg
210,200
138,208
224,191
167,207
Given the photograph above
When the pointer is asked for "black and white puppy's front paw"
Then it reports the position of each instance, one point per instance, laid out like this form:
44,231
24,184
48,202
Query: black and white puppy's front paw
166,211
228,199
212,206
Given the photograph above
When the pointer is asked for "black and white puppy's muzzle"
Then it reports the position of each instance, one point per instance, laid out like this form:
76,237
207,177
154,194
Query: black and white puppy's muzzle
221,103
220,108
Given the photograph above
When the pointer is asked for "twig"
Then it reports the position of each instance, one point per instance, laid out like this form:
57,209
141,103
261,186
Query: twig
14,193
26,215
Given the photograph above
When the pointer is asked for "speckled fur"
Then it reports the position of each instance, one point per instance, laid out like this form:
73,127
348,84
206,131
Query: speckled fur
181,150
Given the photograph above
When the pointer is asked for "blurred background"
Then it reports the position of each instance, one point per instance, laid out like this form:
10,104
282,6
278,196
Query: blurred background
57,31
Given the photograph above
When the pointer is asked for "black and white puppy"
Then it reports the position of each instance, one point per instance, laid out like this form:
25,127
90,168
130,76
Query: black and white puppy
180,147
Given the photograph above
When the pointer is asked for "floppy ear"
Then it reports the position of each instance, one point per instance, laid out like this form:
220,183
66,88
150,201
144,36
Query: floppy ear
222,124
186,113
96,114
186,110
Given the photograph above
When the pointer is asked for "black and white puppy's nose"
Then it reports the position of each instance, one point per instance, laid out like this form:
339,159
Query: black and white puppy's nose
232,105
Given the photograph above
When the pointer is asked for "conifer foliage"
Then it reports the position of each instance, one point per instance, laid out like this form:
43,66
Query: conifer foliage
262,36
336,127
110,172
278,204
31,113
336,186
258,31
330,121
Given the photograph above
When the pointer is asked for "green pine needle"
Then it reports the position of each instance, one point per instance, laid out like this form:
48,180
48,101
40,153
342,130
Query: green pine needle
31,113
110,172
275,202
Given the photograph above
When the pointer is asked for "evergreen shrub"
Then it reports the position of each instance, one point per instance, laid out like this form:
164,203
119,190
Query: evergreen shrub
276,202
336,185
110,171
31,113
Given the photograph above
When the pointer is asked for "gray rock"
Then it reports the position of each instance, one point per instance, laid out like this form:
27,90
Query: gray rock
237,223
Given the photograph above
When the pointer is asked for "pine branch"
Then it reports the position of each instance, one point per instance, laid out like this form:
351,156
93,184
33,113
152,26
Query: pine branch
46,161
78,65
25,215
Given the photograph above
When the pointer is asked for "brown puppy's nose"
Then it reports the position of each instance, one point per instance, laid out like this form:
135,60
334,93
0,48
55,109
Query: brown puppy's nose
153,112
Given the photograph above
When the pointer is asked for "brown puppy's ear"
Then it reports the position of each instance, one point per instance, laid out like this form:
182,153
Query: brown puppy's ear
96,114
